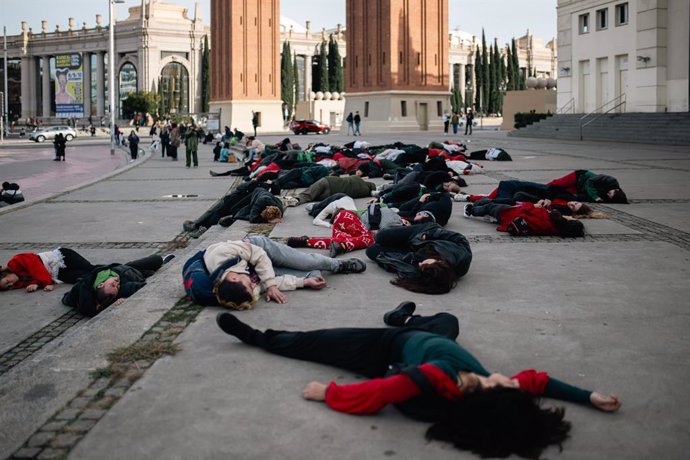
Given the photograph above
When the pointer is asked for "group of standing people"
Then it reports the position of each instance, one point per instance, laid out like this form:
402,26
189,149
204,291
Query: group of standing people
353,123
60,145
454,121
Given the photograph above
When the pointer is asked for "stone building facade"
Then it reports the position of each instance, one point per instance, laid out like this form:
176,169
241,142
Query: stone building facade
626,56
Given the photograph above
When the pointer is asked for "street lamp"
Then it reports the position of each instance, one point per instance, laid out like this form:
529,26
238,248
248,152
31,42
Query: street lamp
111,72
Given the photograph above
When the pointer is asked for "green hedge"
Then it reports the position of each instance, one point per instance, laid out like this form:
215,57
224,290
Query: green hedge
525,119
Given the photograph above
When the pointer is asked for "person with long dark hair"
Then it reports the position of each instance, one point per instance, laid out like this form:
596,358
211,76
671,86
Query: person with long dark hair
426,257
419,367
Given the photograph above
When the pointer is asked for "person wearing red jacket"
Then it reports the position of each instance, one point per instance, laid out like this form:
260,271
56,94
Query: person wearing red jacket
43,270
439,381
526,219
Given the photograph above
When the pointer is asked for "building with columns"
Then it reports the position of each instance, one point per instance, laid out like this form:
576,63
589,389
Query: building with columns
628,56
160,50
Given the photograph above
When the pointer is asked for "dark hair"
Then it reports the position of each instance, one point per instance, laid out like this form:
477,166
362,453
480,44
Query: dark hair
3,273
232,294
104,300
500,422
618,197
585,210
437,278
567,228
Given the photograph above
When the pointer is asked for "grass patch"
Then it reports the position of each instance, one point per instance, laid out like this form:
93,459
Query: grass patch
142,351
101,372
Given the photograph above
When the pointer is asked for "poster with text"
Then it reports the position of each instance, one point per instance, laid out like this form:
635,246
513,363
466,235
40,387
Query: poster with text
69,80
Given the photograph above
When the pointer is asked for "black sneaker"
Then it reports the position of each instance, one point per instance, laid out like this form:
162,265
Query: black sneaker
467,212
353,265
399,315
226,221
167,258
189,226
336,249
198,232
231,325
297,241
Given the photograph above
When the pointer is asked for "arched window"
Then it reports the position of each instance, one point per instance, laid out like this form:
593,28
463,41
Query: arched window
128,81
174,89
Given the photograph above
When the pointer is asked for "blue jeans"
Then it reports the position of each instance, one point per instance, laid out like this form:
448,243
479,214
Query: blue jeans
284,256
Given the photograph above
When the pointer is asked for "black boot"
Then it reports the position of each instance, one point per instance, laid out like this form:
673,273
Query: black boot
233,326
400,315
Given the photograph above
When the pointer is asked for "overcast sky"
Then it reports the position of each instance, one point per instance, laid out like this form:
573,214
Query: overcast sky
499,18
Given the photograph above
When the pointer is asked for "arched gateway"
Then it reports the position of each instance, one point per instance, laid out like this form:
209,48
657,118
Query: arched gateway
396,68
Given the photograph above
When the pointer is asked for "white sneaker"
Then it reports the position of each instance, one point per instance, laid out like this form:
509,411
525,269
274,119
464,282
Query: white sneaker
290,201
375,193
461,197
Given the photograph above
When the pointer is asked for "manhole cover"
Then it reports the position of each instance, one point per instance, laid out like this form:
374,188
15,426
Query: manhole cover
176,195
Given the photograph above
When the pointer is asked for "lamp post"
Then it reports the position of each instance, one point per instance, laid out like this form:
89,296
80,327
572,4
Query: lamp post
111,71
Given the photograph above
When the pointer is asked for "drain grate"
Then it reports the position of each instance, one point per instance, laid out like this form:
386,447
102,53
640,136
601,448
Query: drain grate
176,195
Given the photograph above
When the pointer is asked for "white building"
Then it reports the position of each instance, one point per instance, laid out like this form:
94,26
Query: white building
629,56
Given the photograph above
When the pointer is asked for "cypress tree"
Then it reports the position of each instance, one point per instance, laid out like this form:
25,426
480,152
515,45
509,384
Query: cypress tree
323,66
335,66
486,79
477,80
508,72
503,79
295,73
287,85
205,75
316,74
517,76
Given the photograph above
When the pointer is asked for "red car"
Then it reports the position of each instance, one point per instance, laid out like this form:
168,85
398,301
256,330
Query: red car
309,126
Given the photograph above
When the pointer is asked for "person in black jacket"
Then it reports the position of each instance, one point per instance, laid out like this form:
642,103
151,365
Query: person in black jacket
425,257
111,284
430,207
264,207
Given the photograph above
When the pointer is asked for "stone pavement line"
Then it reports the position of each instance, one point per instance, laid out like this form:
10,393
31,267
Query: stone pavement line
71,423
161,245
38,340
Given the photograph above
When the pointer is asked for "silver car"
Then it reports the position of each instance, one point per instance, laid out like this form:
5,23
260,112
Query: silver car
49,132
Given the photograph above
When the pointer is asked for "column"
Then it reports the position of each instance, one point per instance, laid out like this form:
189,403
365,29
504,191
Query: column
461,83
26,88
100,83
45,85
307,75
86,79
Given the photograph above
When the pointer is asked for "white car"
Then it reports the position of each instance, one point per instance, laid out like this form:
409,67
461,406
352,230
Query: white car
49,132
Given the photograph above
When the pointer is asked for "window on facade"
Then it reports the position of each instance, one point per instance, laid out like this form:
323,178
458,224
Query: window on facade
403,108
165,54
584,23
456,75
603,19
366,109
128,82
621,14
439,108
174,89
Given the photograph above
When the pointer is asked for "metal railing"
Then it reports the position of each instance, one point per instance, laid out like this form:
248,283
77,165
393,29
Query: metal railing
568,107
616,102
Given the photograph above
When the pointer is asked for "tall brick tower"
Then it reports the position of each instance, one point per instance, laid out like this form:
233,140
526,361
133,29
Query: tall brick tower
397,63
245,63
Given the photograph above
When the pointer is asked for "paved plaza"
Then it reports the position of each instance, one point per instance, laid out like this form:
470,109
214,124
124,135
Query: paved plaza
606,312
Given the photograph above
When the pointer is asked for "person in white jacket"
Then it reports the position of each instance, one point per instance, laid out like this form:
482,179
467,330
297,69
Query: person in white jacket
250,270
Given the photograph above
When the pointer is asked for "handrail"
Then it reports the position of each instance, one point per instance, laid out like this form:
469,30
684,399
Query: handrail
621,98
567,107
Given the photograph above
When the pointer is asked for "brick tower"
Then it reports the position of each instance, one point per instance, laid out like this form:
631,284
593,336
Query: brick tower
397,63
245,63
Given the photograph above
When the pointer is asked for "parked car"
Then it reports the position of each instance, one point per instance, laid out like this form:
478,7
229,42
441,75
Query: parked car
309,126
49,132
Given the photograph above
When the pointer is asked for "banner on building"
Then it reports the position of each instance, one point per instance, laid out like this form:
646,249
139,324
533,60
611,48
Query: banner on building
69,81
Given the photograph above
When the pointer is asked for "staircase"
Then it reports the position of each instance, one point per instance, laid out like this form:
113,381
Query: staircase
641,128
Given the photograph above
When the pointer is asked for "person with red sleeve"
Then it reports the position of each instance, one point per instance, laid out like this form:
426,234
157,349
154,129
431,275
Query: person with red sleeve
43,270
526,219
419,367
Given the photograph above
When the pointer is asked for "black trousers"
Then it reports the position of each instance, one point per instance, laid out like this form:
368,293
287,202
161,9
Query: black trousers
366,351
76,266
147,265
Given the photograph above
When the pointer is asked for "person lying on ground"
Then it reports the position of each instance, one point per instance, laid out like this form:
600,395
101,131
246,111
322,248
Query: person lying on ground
10,194
417,365
111,284
430,207
353,186
425,257
264,207
234,274
526,219
229,204
352,229
33,271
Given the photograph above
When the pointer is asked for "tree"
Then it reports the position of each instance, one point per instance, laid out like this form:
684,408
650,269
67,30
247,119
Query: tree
477,80
140,102
287,79
205,75
517,77
485,76
456,100
295,74
323,66
335,67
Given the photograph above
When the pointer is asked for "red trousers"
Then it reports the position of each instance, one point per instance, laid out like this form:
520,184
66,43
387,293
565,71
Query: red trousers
347,229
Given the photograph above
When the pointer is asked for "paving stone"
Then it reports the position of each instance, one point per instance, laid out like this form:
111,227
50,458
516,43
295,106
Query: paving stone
27,452
50,454
54,426
65,440
68,414
79,403
82,425
116,392
40,439
93,414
